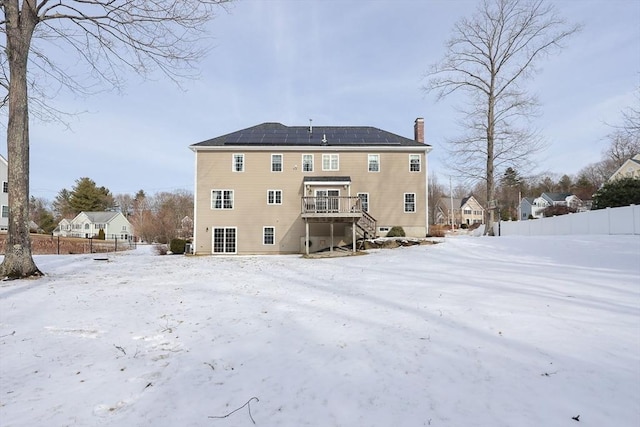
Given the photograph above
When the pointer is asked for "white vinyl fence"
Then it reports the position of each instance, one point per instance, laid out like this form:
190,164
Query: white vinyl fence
624,220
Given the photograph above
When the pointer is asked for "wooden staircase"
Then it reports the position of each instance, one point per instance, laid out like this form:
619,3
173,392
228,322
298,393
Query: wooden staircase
366,226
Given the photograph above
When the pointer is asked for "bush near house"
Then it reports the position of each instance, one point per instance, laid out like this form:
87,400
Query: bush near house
177,246
396,231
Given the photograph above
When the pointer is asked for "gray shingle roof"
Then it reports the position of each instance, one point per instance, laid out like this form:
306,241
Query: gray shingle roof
100,217
279,134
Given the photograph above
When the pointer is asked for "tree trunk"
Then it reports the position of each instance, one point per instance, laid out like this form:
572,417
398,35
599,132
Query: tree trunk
18,261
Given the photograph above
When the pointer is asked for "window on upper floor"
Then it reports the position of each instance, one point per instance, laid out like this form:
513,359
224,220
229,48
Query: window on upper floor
221,199
409,202
276,163
5,187
414,162
307,163
238,163
374,162
268,235
330,162
274,197
5,211
467,211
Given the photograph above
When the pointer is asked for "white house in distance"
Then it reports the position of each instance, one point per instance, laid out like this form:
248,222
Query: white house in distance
4,195
89,224
550,199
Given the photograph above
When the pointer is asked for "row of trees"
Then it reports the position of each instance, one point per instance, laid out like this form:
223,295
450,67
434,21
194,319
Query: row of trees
156,218
587,184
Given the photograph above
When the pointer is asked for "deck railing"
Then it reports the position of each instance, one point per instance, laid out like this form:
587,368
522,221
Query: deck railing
331,205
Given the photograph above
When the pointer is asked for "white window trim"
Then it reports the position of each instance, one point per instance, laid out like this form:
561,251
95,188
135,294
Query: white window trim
312,162
213,239
233,162
368,200
329,156
419,163
264,229
223,190
404,203
281,162
274,197
369,162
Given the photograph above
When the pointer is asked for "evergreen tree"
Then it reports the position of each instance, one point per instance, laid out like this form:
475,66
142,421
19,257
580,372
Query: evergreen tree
621,192
88,197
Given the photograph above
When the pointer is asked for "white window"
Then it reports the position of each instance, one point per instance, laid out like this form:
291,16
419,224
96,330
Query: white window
221,199
414,162
268,235
467,211
274,197
409,202
374,162
364,201
330,162
224,240
307,163
238,163
5,211
276,163
5,187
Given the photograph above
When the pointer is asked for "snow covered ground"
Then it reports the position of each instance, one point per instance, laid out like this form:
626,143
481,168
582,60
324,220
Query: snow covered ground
510,331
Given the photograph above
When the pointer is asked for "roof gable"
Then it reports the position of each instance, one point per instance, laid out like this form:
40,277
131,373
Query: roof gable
277,134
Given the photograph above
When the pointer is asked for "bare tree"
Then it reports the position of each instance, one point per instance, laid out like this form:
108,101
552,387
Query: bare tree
489,57
108,36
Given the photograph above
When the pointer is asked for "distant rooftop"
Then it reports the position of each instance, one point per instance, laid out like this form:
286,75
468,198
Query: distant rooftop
279,134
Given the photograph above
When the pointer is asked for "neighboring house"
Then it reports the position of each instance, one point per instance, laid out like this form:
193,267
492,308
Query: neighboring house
629,169
526,207
89,224
555,199
466,211
4,195
273,188
63,228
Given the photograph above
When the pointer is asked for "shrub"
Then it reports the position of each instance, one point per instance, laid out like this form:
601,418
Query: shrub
161,249
396,231
557,210
464,226
177,246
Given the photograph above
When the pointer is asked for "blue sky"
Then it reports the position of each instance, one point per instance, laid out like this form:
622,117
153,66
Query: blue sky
339,63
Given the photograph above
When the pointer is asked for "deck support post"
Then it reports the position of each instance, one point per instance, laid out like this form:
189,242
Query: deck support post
353,233
331,227
306,240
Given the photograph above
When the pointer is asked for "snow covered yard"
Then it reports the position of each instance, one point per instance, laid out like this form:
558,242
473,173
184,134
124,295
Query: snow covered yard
511,331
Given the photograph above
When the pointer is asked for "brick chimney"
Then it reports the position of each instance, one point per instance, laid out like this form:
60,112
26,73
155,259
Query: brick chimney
418,130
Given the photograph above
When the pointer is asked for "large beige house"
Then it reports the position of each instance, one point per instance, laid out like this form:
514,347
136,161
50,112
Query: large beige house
273,188
466,211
